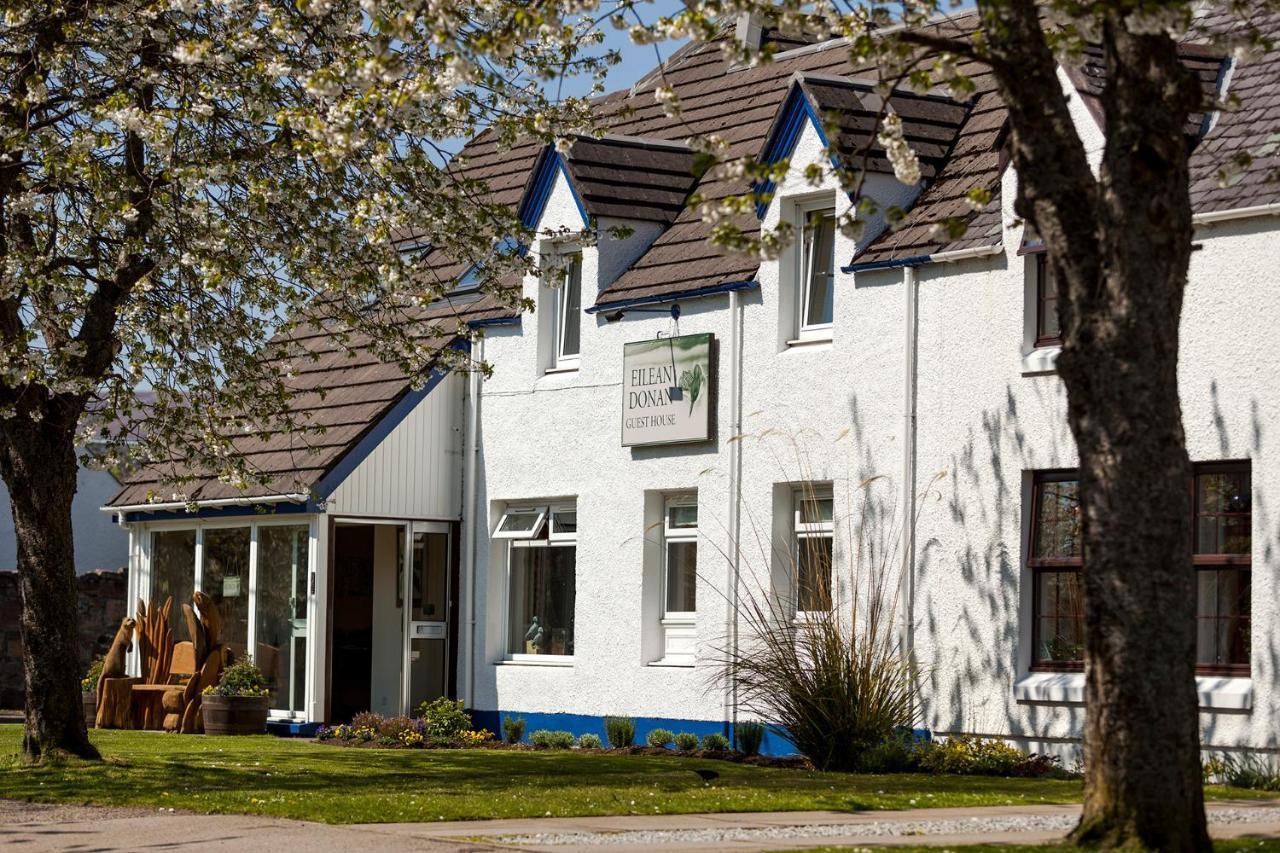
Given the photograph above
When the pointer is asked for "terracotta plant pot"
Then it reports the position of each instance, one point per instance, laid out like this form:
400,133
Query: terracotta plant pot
90,703
234,715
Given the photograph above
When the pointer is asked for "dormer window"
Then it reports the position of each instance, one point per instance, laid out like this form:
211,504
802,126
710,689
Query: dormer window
565,302
1048,328
816,276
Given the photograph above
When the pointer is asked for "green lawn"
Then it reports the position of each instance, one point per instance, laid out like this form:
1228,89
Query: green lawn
300,779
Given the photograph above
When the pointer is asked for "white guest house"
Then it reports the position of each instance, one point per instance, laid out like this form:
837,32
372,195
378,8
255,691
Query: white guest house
674,426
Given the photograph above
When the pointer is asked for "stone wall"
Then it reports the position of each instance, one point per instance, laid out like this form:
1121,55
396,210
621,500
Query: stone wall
101,603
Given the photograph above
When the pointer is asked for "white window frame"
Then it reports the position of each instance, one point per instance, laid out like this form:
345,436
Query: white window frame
200,526
675,534
540,513
552,539
802,530
560,361
806,331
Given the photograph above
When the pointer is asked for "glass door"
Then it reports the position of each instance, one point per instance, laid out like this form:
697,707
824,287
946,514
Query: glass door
281,638
426,666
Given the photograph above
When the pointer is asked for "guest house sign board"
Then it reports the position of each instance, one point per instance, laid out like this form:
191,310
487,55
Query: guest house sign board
667,388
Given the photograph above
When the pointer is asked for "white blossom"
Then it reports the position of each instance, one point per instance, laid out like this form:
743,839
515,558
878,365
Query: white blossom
906,166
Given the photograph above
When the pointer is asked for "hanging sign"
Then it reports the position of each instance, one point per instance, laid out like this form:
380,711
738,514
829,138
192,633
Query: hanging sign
667,386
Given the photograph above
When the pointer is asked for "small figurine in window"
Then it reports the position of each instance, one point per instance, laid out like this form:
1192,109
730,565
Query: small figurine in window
534,637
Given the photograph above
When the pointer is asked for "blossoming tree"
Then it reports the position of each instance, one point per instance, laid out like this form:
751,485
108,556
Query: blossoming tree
180,180
1119,238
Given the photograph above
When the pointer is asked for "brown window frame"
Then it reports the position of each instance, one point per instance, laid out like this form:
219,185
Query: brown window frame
1202,562
1218,561
1042,276
1041,566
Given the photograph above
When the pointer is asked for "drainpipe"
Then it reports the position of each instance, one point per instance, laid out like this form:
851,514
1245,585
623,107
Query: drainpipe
735,494
911,292
469,516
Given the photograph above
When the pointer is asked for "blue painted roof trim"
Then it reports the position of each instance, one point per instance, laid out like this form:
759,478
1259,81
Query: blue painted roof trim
375,436
550,164
787,127
913,261
496,321
263,510
673,297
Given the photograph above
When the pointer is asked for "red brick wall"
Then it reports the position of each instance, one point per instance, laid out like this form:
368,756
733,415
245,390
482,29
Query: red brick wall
100,596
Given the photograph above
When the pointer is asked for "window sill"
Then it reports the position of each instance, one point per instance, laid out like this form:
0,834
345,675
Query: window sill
674,662
1216,693
560,371
814,343
1039,361
537,660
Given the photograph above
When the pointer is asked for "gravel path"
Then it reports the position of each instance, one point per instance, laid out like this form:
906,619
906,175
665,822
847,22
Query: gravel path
872,829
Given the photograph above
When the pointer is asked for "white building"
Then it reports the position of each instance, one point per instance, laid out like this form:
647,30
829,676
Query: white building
674,427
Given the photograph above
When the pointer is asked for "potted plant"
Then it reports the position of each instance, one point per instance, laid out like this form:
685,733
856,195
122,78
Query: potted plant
89,692
237,704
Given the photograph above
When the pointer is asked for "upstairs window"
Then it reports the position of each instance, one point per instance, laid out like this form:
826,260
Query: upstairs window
567,299
813,551
1048,328
817,273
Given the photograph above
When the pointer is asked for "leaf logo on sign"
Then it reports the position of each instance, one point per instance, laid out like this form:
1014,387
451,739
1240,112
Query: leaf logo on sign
691,381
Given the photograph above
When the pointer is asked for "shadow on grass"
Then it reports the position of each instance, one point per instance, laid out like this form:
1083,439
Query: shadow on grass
304,780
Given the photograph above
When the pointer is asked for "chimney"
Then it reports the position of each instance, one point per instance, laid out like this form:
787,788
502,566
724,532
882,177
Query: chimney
749,32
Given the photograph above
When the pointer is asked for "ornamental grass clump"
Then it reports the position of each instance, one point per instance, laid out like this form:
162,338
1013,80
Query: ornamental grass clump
621,731
513,729
749,735
686,741
546,739
660,738
715,743
823,663
589,741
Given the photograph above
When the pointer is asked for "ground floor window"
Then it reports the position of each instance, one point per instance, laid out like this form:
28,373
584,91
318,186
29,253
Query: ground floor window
813,548
224,577
541,579
1222,536
257,576
679,579
173,573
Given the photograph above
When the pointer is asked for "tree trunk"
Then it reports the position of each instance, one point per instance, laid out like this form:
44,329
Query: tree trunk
1119,245
1143,784
38,462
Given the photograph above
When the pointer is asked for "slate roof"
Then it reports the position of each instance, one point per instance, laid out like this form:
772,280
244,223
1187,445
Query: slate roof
930,122
339,397
1090,78
1244,129
641,170
632,178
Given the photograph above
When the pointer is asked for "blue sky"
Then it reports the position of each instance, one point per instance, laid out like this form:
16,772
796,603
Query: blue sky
637,60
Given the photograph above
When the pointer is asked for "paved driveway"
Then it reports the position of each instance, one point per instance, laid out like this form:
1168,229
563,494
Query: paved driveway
30,827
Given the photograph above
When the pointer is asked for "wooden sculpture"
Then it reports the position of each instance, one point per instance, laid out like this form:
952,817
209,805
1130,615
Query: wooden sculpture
204,624
155,654
178,673
115,688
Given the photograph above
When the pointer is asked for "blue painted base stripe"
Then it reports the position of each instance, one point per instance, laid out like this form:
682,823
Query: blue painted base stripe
580,724
290,728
